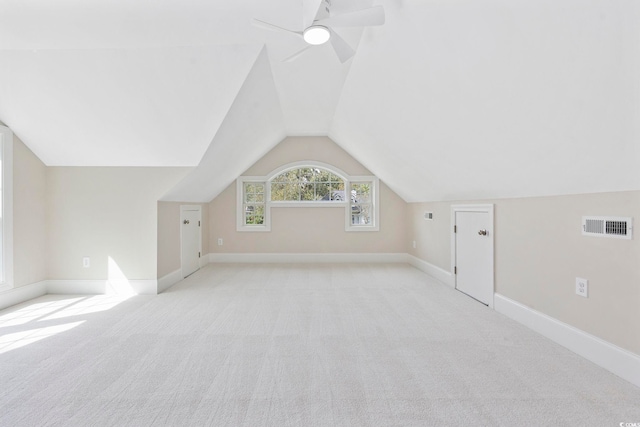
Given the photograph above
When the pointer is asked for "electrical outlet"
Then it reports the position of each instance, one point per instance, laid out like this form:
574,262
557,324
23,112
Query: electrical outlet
414,244
582,287
86,262
220,241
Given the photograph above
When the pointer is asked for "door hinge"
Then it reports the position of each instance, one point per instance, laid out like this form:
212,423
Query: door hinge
198,223
455,228
455,270
198,254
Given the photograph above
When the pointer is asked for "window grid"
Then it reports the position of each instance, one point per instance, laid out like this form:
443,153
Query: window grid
361,204
300,185
307,185
254,203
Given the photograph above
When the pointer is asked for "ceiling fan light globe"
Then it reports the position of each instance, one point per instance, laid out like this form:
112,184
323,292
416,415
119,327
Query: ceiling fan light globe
316,35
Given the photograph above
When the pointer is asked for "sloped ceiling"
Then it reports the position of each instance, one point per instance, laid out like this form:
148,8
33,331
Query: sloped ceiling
121,107
253,125
470,100
448,100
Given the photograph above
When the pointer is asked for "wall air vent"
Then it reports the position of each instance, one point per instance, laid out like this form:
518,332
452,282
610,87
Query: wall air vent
607,226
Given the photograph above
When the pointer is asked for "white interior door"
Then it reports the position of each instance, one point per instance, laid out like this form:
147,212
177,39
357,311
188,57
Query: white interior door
474,253
190,239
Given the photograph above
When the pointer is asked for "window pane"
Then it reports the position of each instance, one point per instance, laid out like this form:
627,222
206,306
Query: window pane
286,191
361,192
254,214
277,191
337,195
253,192
323,191
361,214
258,218
322,175
305,174
361,206
248,215
307,184
366,213
307,192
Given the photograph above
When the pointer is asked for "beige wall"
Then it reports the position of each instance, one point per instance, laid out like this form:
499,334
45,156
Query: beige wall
539,251
104,212
169,258
29,216
307,230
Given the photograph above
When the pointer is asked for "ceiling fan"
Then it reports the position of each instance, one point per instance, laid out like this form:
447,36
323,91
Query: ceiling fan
319,23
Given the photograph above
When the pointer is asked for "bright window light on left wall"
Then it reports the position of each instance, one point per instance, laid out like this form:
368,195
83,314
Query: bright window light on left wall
6,208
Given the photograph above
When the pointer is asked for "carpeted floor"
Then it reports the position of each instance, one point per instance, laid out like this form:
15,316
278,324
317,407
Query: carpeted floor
294,345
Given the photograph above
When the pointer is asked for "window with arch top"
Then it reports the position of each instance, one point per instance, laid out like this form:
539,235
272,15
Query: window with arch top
312,184
307,184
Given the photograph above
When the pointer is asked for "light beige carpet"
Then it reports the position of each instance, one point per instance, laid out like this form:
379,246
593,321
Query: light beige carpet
294,345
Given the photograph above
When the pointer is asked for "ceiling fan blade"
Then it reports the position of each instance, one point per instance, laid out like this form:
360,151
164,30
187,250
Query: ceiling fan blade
360,18
309,11
342,48
267,26
297,54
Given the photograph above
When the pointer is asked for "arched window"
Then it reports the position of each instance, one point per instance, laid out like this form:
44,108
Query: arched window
307,184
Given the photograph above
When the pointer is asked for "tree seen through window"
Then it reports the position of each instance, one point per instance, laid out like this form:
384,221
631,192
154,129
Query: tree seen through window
307,184
254,200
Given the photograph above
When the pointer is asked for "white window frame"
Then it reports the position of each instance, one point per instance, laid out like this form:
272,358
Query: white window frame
306,204
240,225
6,222
375,200
269,204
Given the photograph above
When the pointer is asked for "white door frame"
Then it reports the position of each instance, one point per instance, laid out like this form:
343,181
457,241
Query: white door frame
184,208
486,208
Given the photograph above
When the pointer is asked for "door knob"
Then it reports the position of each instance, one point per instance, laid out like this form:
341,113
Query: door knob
482,232
186,221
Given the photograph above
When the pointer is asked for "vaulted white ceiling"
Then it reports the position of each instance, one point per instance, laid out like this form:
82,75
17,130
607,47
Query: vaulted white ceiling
459,99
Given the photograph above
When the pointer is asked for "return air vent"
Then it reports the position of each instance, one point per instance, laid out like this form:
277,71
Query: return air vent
608,226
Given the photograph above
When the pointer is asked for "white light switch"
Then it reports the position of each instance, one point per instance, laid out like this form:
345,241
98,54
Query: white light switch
86,262
220,241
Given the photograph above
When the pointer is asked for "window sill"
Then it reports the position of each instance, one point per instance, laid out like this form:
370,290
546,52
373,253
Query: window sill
360,228
336,204
253,228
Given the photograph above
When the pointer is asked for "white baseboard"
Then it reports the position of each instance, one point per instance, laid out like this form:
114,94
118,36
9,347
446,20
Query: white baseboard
436,272
165,282
23,293
609,356
77,287
204,260
144,286
102,287
283,258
